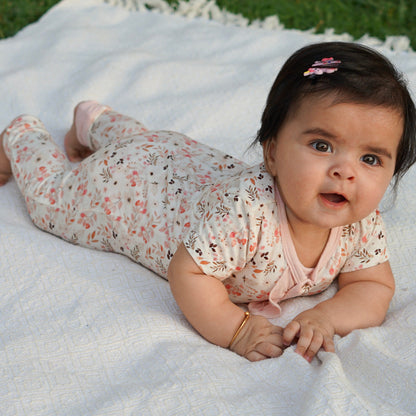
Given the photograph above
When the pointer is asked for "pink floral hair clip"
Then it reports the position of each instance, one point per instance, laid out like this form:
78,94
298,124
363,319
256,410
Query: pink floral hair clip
325,66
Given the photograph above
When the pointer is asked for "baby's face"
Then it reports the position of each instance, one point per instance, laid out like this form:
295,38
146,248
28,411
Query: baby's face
333,162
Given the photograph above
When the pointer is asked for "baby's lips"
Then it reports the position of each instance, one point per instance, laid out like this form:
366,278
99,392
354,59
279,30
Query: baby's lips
334,197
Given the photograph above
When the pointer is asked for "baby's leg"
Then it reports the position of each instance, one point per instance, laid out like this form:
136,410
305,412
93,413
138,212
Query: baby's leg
37,164
94,126
72,204
59,200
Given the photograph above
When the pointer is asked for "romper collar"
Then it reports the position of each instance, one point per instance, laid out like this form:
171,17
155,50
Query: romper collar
289,251
296,280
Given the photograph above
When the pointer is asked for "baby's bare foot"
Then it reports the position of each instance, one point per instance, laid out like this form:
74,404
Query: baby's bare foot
5,168
74,149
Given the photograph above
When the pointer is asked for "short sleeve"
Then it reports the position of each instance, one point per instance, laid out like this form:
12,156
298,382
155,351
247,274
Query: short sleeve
224,237
368,241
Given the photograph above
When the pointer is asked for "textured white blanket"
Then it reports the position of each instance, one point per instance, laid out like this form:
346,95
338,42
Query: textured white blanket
90,333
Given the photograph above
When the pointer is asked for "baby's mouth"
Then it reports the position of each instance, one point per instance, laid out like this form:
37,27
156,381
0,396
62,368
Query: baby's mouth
334,198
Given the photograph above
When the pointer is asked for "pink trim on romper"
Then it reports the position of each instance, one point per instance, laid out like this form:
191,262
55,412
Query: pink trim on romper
85,114
296,277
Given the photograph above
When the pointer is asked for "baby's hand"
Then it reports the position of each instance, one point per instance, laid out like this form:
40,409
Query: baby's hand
259,339
312,330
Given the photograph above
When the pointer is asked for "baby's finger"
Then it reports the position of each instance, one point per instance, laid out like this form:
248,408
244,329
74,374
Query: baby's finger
277,330
290,332
305,339
276,337
269,350
255,356
314,346
328,344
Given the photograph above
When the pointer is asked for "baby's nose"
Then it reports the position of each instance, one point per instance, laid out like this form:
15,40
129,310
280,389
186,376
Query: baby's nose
343,169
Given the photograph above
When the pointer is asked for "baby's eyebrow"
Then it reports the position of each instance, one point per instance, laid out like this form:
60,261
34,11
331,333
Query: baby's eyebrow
319,132
379,151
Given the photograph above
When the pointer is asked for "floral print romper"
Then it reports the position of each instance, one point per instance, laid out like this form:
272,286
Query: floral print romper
142,193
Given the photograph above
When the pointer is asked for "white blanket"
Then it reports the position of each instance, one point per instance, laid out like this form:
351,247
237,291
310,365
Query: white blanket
89,333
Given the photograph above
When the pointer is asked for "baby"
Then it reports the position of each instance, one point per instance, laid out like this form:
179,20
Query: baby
338,127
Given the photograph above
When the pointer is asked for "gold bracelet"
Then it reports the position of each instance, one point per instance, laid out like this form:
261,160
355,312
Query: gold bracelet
246,316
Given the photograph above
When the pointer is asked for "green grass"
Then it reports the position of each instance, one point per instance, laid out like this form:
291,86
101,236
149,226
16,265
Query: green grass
379,18
15,14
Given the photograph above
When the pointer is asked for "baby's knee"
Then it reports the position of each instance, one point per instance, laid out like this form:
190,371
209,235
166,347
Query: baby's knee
22,124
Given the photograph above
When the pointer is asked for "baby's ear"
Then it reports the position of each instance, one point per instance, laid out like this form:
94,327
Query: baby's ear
269,155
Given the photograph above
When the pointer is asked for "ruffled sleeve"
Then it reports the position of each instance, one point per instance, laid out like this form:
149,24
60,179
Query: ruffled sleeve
224,236
368,241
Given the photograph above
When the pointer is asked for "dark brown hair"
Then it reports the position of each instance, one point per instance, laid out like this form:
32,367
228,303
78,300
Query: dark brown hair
364,76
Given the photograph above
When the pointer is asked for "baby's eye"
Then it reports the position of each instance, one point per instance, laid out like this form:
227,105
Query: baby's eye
371,160
321,146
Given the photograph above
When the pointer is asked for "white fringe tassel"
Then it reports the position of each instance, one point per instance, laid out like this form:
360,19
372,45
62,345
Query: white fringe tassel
208,9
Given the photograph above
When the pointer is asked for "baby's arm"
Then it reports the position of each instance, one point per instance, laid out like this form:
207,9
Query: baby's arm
361,302
205,302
